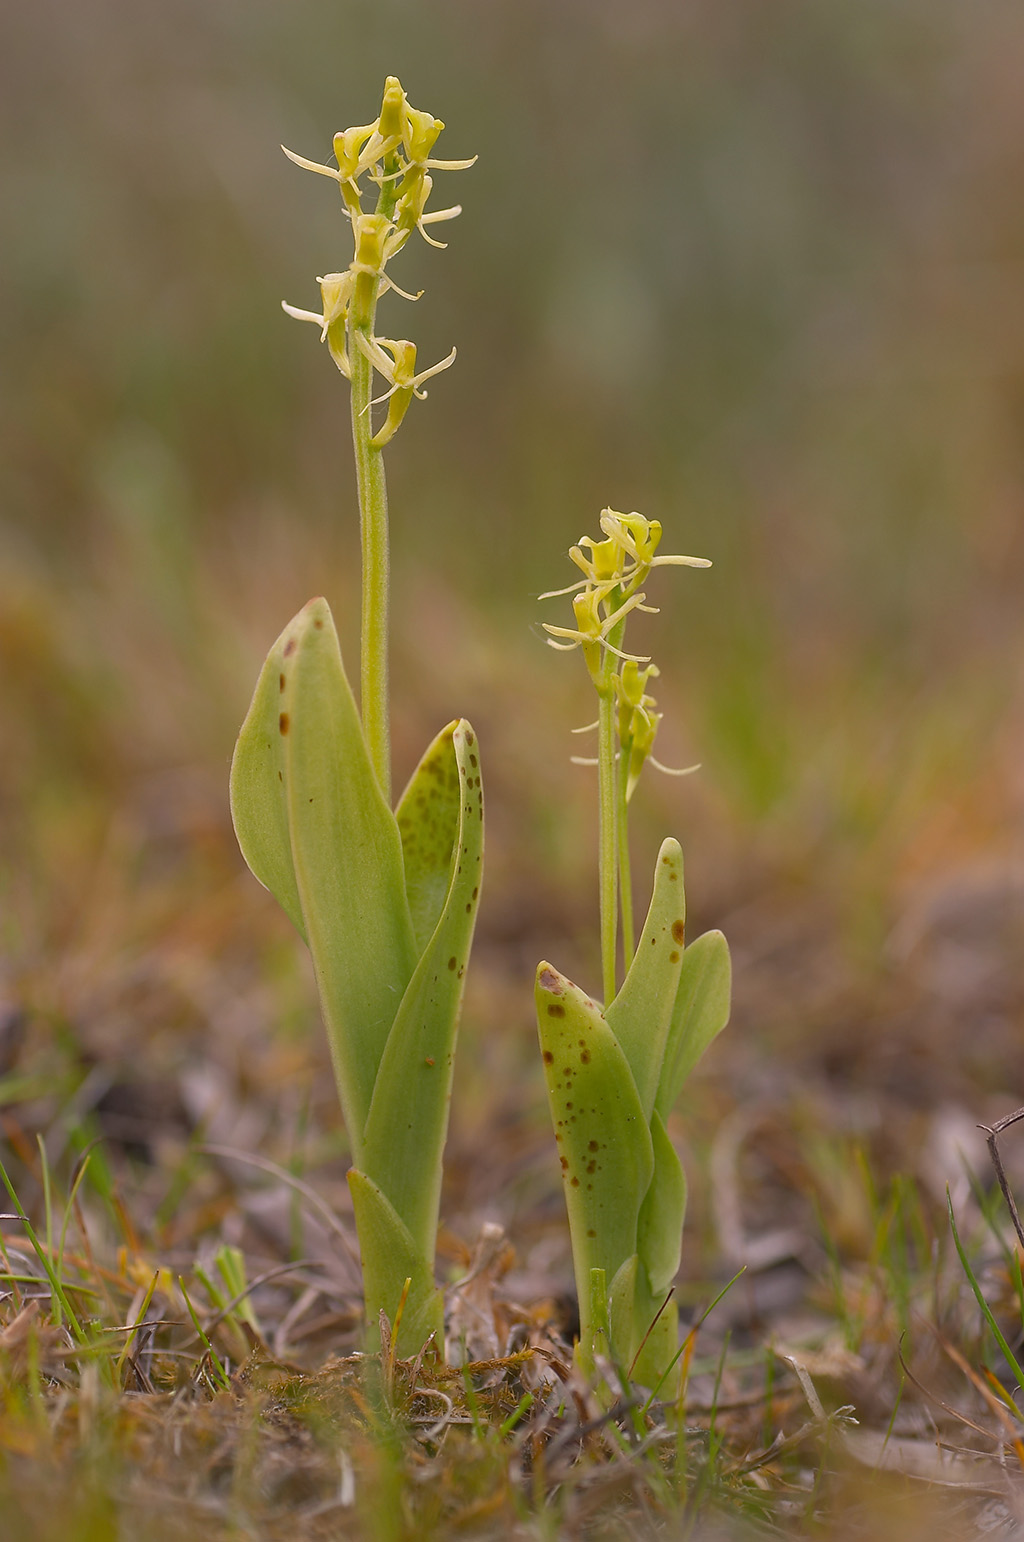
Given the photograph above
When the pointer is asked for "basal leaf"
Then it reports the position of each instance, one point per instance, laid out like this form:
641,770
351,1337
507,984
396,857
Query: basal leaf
656,1340
660,1227
603,1141
346,853
390,1257
428,821
621,1299
408,1119
259,808
641,1013
701,1012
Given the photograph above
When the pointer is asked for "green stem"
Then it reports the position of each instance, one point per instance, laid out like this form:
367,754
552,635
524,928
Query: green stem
608,851
372,489
625,874
608,800
373,532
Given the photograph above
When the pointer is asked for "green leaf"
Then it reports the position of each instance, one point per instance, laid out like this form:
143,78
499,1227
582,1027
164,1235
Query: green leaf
259,807
656,1330
314,787
390,1257
701,1012
408,1119
428,821
660,1227
641,1013
621,1299
603,1141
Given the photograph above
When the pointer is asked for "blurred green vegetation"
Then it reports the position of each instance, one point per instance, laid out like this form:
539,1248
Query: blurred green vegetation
754,270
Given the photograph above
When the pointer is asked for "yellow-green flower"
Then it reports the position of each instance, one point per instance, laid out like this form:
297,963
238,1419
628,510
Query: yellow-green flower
398,365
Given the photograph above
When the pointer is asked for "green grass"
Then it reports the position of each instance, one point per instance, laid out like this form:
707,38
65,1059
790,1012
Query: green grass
135,1396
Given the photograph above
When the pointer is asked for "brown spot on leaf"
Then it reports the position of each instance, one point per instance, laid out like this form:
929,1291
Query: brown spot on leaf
565,1163
318,623
575,1182
673,957
549,1058
549,981
678,930
452,962
592,1145
280,682
289,647
284,722
429,1060
555,1009
585,1057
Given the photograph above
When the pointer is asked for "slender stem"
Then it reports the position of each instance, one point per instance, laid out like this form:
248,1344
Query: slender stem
625,874
608,851
372,489
608,800
373,531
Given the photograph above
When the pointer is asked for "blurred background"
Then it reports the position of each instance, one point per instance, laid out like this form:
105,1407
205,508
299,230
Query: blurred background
754,270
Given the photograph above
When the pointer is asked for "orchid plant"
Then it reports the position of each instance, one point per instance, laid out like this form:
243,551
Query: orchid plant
385,898
614,1072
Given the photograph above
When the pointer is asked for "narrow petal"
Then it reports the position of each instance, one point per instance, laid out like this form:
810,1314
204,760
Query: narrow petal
323,171
556,594
442,246
433,165
293,310
436,215
389,283
673,770
685,562
435,369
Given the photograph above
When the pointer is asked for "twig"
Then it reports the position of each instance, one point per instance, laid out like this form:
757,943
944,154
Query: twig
993,1132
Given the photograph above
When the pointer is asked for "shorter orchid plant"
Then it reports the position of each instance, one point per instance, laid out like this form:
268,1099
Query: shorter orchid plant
385,900
615,1071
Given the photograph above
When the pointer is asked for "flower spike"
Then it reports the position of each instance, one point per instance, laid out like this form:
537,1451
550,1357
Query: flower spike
394,154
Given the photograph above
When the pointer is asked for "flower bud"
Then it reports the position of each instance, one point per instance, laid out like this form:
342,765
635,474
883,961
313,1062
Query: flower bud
348,148
421,131
391,123
370,233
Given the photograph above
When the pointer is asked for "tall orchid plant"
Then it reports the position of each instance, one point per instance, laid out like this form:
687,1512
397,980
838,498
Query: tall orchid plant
385,899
